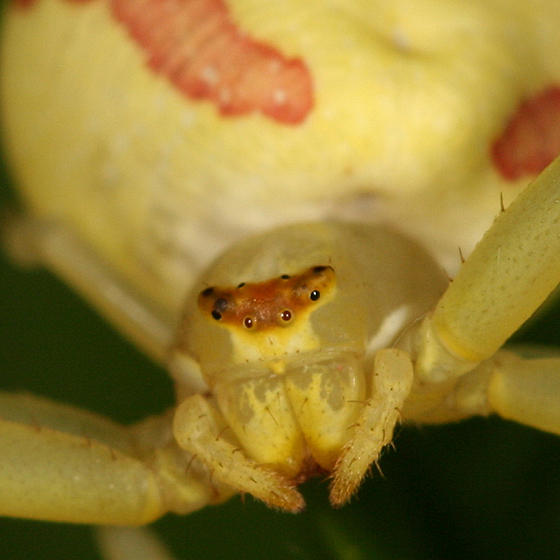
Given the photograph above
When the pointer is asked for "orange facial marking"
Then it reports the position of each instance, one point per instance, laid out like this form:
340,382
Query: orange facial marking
531,139
279,302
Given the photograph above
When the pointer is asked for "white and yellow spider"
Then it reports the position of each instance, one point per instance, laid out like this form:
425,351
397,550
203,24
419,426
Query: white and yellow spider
246,191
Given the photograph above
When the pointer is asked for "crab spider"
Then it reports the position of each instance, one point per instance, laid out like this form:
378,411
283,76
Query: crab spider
89,125
374,335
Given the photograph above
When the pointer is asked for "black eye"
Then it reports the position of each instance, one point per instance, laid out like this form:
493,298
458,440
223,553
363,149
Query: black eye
314,295
220,305
319,269
217,315
207,292
286,315
285,276
248,323
241,285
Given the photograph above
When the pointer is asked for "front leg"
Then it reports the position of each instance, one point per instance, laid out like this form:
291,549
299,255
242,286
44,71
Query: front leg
510,273
392,378
59,463
200,428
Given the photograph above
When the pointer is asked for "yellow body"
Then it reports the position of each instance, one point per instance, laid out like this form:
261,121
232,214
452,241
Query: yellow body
409,97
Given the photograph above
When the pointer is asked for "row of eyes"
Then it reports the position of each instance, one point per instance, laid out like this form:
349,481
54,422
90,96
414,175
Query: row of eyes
285,315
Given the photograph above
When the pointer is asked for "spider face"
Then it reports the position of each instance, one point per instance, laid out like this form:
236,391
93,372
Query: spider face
258,307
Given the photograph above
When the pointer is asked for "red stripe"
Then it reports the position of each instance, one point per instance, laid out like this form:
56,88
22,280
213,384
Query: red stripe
531,140
197,46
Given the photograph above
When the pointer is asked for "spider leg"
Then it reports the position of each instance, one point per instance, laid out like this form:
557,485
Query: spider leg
31,242
392,380
59,463
131,543
509,385
509,274
39,242
200,429
527,391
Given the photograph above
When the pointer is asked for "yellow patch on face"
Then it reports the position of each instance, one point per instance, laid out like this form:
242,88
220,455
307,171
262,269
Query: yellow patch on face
270,318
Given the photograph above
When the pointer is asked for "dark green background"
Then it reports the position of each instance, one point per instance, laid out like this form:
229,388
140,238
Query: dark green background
478,489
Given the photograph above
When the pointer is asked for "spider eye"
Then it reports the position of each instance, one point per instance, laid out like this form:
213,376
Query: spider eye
248,323
286,315
220,305
314,295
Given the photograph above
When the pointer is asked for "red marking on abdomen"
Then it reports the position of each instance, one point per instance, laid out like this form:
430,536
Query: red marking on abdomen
23,3
531,140
196,45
